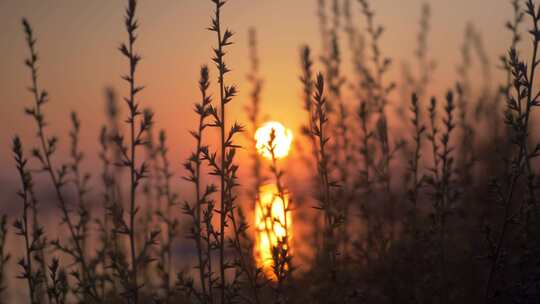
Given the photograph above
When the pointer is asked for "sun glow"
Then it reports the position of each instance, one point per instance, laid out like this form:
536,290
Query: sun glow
282,141
273,226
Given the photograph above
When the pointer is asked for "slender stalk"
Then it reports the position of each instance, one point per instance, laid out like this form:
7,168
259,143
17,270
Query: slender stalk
281,253
226,169
531,100
47,148
320,121
447,197
171,224
223,214
139,128
416,184
202,124
132,170
193,166
517,117
32,238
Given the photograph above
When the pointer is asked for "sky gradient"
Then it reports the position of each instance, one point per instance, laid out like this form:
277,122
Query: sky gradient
78,40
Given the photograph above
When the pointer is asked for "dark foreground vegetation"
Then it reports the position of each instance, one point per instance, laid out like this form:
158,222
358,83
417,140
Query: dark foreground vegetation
434,204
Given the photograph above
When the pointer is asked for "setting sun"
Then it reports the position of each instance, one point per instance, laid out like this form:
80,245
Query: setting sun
282,141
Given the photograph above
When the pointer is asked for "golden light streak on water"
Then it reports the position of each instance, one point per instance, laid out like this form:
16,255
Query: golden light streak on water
273,223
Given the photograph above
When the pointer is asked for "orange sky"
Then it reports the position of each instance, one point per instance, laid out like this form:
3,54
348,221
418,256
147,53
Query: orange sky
77,43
